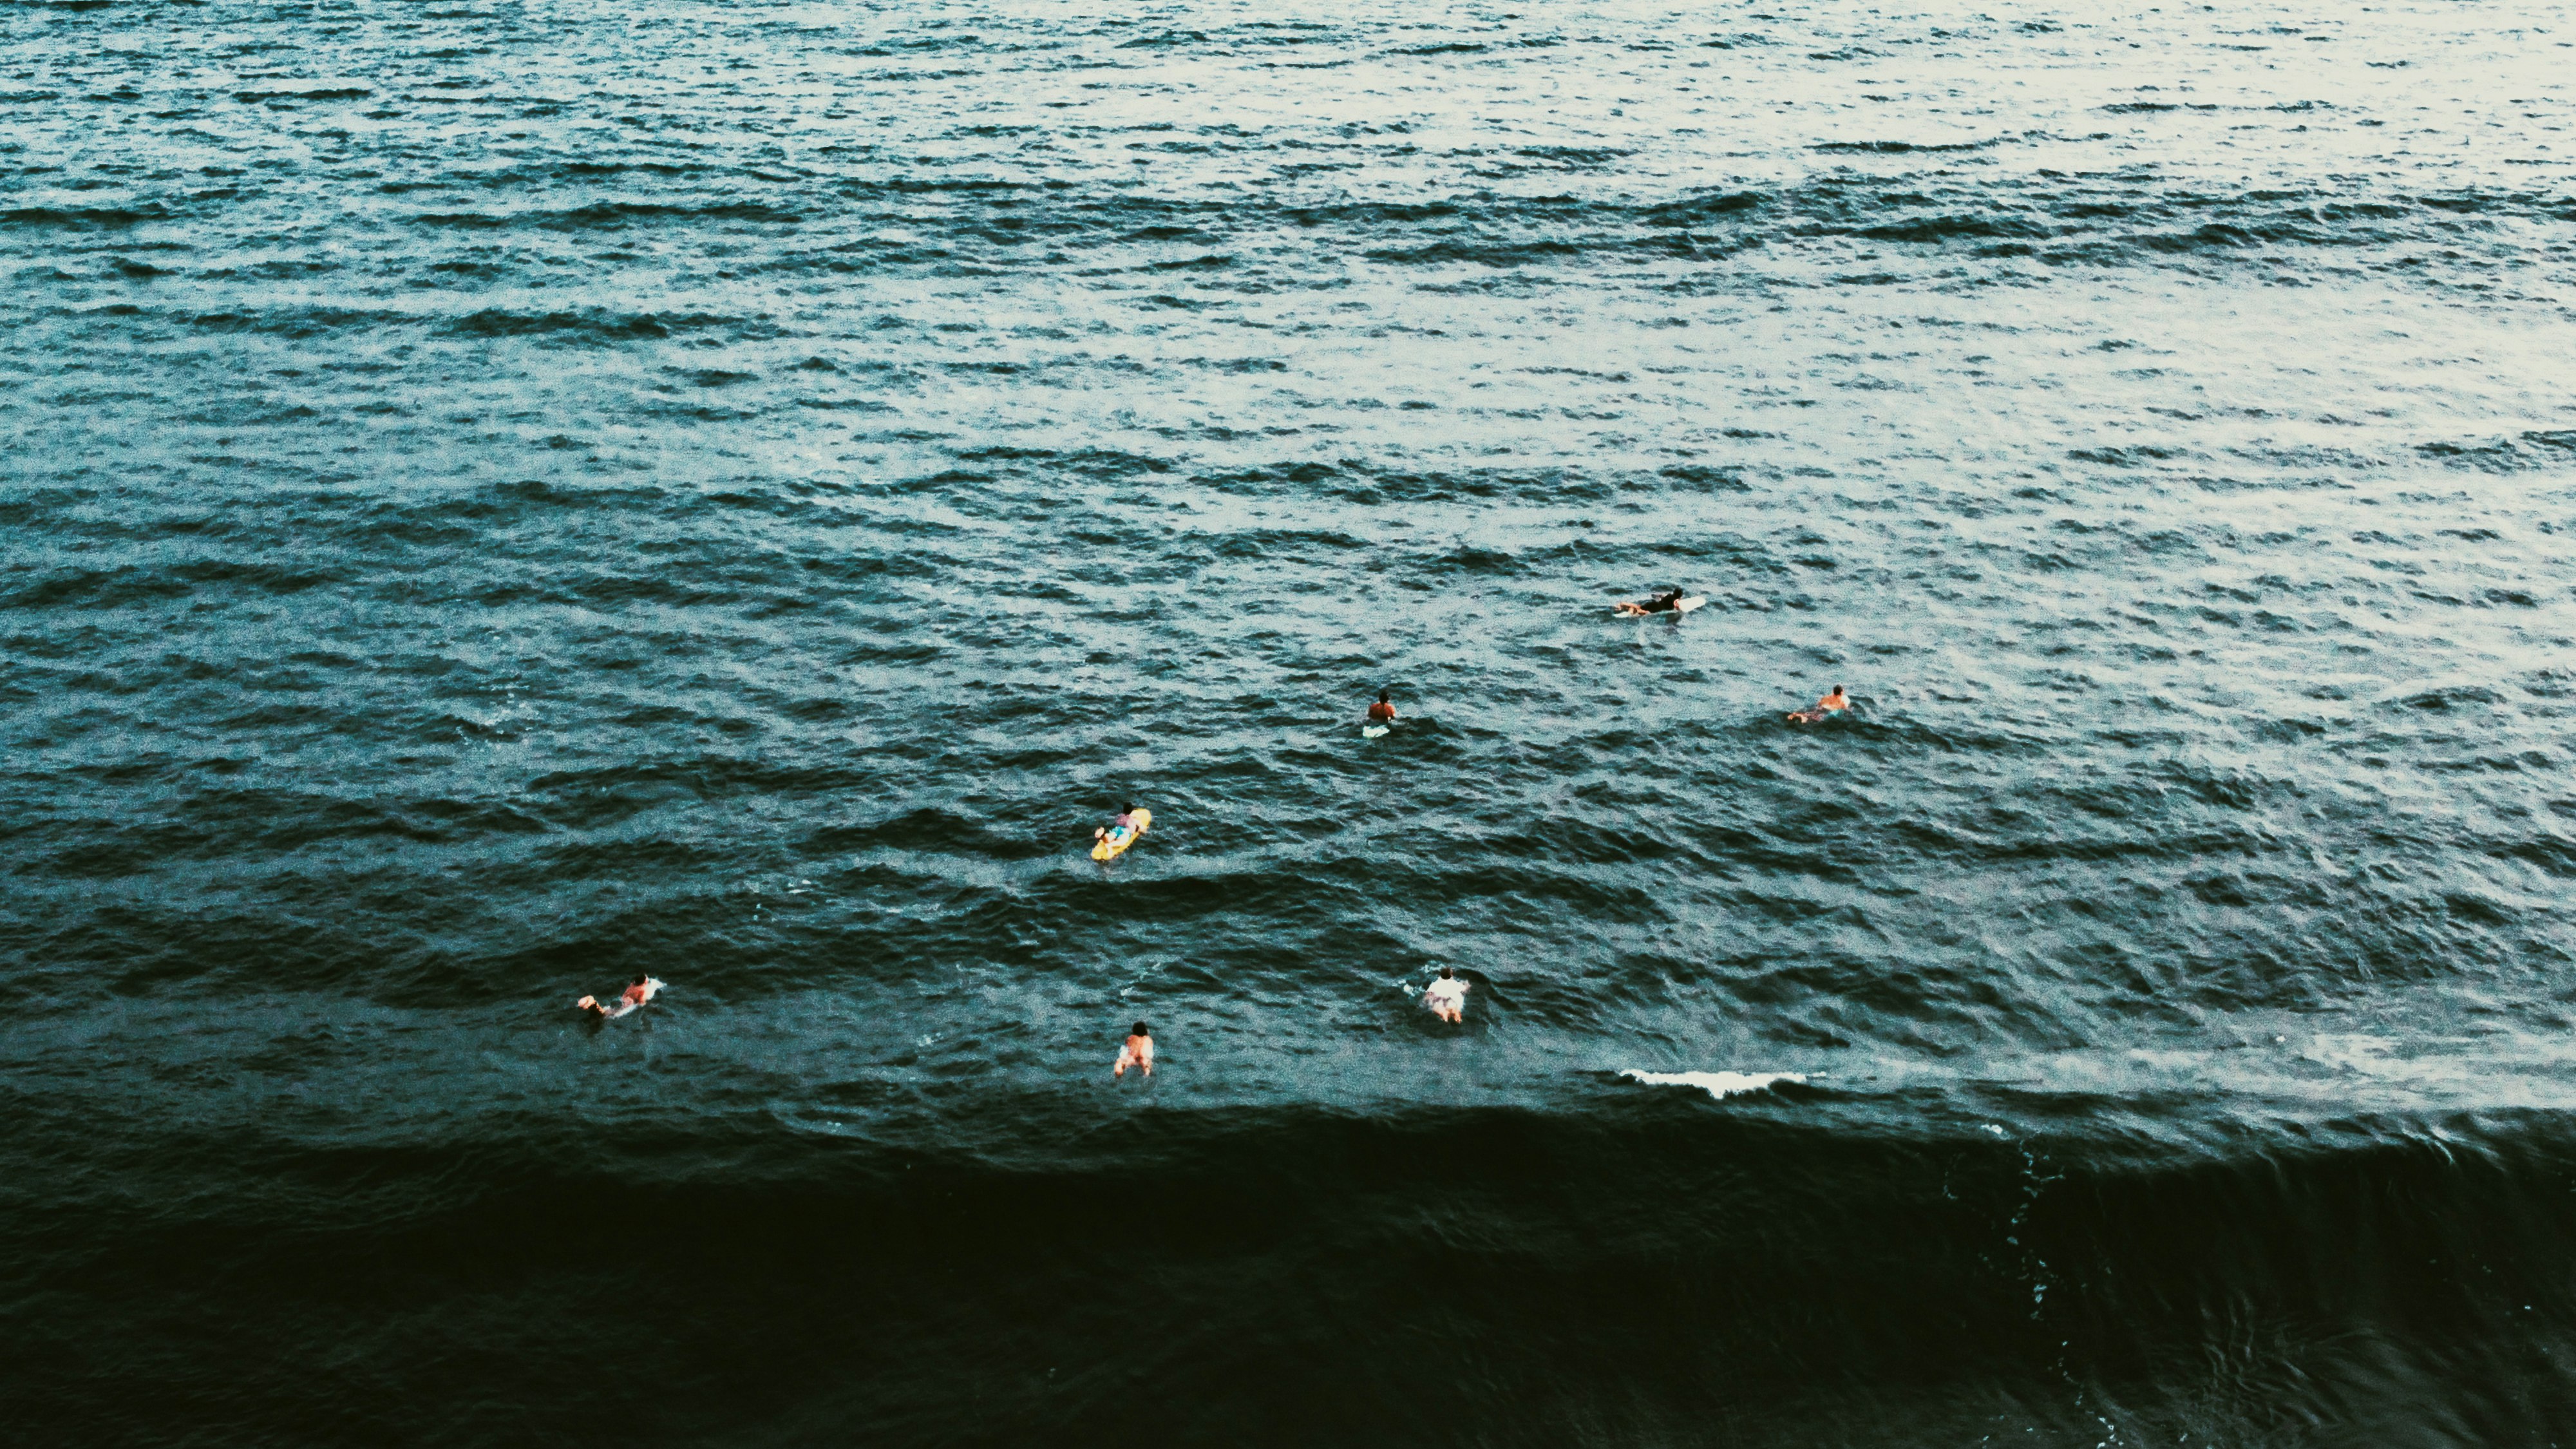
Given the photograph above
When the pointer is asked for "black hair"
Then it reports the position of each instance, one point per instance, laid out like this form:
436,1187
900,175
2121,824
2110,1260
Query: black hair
1126,809
1141,1029
639,980
1446,973
1381,696
1838,689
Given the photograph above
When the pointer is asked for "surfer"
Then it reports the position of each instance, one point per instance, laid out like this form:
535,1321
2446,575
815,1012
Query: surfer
634,996
1123,826
1446,996
1381,712
1667,602
1110,842
1138,1051
1830,704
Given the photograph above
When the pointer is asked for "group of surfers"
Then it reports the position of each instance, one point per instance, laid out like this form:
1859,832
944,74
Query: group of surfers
1446,995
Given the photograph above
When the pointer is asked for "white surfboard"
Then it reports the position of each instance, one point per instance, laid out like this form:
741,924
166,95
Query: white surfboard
1370,732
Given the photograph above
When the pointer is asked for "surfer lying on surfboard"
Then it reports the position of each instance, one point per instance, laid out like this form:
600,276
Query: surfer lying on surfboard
1667,602
634,997
1446,996
1816,713
1110,840
1138,1052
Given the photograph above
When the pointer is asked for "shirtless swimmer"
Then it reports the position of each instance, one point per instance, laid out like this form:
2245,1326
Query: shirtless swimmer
1830,704
1137,1053
633,997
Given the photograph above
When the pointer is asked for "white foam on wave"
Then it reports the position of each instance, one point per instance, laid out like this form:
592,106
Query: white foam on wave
1720,1085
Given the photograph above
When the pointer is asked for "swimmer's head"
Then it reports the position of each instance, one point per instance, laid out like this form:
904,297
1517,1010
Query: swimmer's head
639,980
1140,1029
1126,809
1446,973
1381,696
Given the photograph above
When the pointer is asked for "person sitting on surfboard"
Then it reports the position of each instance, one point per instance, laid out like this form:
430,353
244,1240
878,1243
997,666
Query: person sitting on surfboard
1137,1053
1447,996
1823,707
1381,712
1667,602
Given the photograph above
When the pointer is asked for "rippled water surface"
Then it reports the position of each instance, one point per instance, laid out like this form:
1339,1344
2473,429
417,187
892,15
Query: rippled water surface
504,498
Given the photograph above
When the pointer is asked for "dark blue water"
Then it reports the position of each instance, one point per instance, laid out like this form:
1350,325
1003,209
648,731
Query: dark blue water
503,498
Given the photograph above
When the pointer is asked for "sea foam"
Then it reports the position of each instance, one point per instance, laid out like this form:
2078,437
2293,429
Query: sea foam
1720,1085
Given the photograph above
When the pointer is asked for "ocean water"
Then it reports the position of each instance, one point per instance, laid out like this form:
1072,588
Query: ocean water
499,498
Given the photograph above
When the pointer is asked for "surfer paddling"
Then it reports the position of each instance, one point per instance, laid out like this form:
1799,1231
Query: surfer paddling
1817,713
1109,840
1138,1051
1381,712
631,999
1667,602
1446,996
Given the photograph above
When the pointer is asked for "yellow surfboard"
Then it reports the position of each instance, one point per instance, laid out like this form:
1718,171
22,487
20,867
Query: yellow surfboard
1115,843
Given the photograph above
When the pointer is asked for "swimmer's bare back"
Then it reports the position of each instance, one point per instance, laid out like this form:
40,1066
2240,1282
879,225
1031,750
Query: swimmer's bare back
1822,709
1138,1052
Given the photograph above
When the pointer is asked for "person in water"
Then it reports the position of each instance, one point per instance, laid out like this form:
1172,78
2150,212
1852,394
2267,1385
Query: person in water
1381,712
1447,996
634,996
1125,824
1667,602
1831,704
1137,1053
